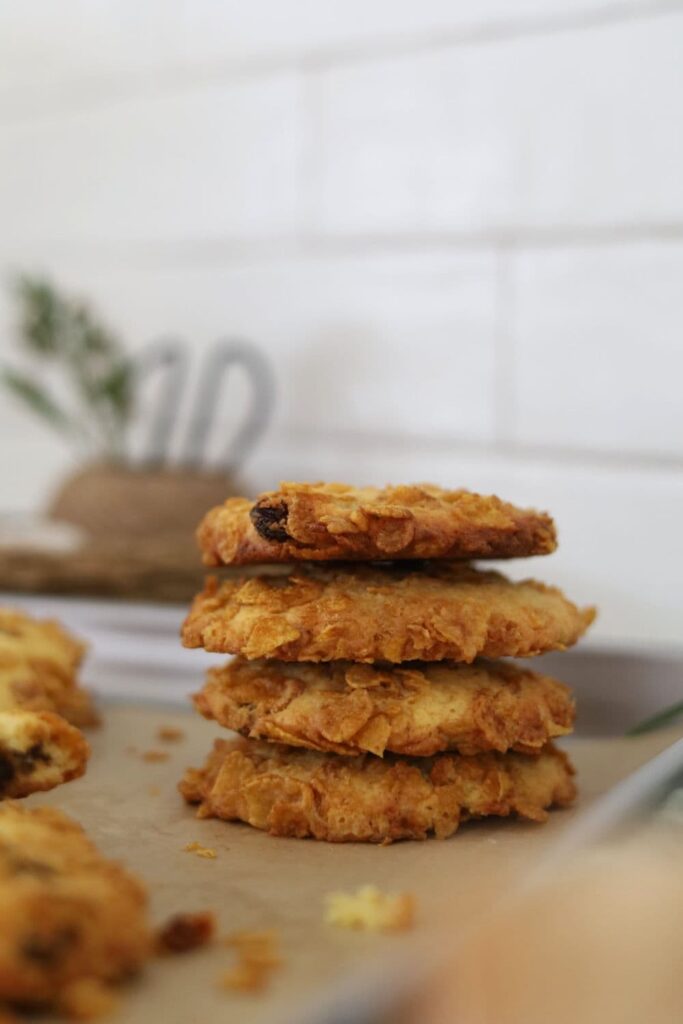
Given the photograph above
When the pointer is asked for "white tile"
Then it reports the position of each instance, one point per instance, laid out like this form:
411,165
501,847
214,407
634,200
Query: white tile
53,44
598,341
569,129
390,345
211,161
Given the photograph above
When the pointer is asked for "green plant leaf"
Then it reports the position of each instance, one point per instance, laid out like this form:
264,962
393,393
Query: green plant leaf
665,717
36,398
42,315
95,339
116,387
90,357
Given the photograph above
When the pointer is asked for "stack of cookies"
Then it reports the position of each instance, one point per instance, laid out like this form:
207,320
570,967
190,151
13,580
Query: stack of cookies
364,682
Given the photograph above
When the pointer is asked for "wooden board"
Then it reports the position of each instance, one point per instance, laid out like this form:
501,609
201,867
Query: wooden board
132,810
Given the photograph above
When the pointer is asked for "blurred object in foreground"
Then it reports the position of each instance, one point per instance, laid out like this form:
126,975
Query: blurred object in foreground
602,942
132,518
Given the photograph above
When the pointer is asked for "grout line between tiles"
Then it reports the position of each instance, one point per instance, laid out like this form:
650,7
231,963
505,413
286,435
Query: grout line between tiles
554,454
142,253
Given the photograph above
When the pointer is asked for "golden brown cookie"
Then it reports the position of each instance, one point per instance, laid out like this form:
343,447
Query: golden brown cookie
68,914
369,799
38,751
416,709
383,613
322,522
38,665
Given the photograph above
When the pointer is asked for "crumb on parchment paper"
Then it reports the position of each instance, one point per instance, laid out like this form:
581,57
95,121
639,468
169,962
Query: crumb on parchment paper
150,756
153,756
170,734
257,957
184,932
201,851
370,909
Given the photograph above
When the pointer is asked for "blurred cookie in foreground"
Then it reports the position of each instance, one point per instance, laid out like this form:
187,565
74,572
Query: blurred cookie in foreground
599,940
392,613
323,522
415,709
69,915
39,662
301,793
38,751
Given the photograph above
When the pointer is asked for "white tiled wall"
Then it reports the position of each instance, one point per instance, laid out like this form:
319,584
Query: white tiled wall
570,129
153,167
456,229
600,351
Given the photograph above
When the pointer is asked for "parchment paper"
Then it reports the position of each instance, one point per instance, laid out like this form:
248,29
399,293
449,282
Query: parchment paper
131,808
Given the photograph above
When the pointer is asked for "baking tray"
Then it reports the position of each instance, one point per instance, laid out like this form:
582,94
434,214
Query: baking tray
132,810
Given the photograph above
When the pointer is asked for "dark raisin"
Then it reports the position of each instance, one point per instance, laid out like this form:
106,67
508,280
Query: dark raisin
25,762
48,950
270,521
184,932
7,772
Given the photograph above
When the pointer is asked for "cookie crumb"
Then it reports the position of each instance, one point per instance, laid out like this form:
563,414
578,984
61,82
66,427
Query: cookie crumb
86,999
201,851
257,958
370,909
153,756
184,932
170,734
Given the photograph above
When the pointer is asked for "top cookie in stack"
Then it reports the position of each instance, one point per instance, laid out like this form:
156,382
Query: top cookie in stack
326,522
338,660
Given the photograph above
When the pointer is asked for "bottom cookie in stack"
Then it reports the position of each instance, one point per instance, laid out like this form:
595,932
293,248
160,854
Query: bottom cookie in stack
290,792
461,741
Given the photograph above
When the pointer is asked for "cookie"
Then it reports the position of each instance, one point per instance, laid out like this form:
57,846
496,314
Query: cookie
38,665
416,709
322,522
369,799
68,914
390,613
38,751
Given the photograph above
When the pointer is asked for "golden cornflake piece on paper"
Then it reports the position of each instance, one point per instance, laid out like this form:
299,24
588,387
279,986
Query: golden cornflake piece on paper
370,909
170,734
201,851
258,956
